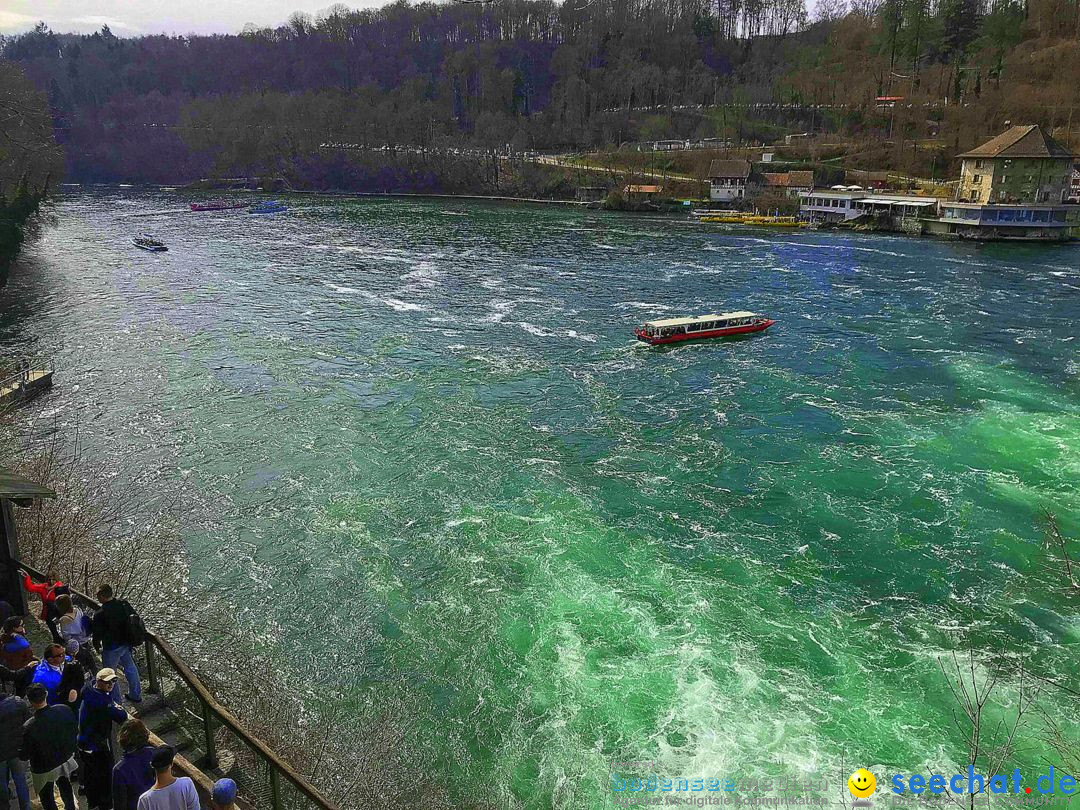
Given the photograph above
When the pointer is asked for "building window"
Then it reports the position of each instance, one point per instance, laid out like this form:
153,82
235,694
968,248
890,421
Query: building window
976,179
978,164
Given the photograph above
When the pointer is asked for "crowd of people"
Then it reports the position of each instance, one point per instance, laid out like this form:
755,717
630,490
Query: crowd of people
58,725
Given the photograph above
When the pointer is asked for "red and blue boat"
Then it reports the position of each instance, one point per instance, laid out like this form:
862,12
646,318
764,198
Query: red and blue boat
702,327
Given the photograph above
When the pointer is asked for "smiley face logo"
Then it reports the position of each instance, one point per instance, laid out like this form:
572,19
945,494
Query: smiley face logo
861,783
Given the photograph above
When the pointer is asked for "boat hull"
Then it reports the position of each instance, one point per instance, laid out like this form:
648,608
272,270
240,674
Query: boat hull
216,206
710,335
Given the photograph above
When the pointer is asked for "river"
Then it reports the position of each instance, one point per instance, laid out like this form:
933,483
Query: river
421,451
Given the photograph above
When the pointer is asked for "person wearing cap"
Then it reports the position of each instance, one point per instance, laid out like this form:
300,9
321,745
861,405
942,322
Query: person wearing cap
133,774
169,792
223,796
48,744
98,712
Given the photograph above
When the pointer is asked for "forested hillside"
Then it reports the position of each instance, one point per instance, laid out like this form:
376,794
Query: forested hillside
29,159
539,75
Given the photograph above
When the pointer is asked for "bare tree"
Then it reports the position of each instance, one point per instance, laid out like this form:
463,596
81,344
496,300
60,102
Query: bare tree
990,744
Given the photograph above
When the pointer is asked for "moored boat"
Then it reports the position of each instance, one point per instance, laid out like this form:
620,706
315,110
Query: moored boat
147,242
269,207
702,327
217,205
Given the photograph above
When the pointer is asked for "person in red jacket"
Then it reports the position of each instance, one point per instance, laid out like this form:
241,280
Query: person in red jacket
47,591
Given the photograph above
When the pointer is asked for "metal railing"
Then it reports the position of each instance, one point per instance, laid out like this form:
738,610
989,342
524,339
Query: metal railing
213,713
16,379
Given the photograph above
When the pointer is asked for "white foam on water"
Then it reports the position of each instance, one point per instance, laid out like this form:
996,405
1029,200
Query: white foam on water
587,338
502,309
472,520
533,329
340,289
402,306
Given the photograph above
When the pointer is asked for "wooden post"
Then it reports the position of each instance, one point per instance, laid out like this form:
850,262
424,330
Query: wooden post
10,584
151,669
275,788
208,730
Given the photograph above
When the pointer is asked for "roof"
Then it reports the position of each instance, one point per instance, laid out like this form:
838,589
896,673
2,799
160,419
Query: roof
1027,141
729,168
644,189
13,485
897,201
700,318
799,179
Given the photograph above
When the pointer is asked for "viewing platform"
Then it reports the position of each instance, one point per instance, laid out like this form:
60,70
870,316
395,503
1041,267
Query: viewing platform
24,385
177,707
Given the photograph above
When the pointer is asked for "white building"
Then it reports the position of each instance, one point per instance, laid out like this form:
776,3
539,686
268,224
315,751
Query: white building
835,205
728,180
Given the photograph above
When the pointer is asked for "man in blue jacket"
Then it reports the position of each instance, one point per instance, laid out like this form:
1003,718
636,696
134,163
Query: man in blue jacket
99,710
50,670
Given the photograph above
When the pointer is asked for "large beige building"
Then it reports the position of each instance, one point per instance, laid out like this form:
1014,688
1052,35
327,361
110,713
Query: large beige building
1022,165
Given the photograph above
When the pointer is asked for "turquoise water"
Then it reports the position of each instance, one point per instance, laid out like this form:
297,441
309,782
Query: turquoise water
418,445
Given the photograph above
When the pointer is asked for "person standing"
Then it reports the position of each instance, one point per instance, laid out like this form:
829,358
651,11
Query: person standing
169,792
48,743
99,710
14,712
111,633
75,626
133,775
47,591
50,671
72,679
15,652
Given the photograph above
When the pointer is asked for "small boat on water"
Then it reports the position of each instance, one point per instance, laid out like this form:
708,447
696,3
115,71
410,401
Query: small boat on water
147,242
217,205
269,207
703,327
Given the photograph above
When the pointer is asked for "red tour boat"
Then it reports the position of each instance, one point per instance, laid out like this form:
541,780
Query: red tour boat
702,327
